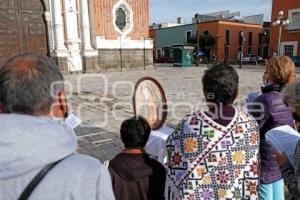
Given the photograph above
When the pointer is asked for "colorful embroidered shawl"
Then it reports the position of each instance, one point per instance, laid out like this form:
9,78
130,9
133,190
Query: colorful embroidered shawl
208,161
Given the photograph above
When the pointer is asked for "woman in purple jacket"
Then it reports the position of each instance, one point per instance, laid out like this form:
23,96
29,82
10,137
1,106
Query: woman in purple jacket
279,72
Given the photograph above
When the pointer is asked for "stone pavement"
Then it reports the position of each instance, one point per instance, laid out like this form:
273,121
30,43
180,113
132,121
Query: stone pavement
104,100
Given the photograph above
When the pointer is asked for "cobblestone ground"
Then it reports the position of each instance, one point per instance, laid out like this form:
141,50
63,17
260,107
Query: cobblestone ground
104,100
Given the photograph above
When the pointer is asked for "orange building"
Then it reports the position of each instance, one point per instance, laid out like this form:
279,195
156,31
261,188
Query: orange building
290,38
229,40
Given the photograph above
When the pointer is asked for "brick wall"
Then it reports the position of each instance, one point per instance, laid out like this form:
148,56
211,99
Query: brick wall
103,19
287,35
129,59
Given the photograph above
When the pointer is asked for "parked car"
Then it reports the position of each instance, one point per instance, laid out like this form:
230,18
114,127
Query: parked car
164,59
296,60
252,58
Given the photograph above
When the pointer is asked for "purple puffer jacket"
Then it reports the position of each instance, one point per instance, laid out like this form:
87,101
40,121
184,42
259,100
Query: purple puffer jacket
275,114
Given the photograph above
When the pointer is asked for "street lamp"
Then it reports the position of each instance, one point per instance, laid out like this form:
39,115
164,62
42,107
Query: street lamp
265,43
242,35
198,48
280,22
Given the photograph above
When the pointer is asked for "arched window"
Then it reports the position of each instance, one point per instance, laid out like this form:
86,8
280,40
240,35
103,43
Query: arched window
122,18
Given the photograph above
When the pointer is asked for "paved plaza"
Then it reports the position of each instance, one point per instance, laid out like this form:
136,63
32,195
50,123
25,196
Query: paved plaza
104,100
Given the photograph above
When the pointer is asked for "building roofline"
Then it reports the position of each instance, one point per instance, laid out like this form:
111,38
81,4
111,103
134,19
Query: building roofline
231,22
213,21
253,15
175,26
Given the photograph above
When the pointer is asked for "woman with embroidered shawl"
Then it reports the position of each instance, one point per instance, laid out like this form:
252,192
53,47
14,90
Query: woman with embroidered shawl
214,154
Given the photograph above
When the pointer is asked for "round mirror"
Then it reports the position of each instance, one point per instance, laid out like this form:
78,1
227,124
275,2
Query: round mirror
149,101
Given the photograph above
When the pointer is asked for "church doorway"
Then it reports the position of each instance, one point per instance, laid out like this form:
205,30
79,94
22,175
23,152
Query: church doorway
22,28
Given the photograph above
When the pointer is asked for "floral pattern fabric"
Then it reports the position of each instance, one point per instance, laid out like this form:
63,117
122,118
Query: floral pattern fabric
208,161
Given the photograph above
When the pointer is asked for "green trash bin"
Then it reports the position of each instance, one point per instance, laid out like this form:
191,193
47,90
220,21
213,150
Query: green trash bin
183,55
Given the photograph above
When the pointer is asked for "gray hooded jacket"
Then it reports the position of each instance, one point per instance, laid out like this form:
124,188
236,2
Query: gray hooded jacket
28,144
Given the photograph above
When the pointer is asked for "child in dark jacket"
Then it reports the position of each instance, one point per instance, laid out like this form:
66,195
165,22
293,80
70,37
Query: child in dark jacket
136,176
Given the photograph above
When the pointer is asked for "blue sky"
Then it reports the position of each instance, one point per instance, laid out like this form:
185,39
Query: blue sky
169,10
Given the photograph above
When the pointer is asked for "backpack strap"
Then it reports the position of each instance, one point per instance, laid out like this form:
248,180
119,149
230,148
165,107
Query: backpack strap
36,180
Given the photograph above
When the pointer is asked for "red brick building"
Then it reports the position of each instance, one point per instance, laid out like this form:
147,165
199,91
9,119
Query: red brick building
229,41
80,35
102,15
290,40
122,45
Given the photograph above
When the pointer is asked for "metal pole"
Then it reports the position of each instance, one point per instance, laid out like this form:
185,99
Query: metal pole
241,56
121,60
242,50
144,54
198,48
198,40
279,40
241,59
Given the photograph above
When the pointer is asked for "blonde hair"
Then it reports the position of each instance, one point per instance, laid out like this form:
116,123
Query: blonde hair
291,95
280,69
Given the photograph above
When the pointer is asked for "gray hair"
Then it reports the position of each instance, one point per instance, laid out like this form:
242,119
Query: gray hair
29,84
291,95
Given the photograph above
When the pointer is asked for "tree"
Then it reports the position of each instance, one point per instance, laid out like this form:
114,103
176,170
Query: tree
205,41
209,41
192,40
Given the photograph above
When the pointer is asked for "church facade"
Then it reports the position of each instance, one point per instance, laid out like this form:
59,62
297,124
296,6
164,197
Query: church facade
80,35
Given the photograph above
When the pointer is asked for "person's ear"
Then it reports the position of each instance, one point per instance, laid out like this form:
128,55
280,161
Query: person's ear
1,108
237,93
205,95
292,79
62,103
59,108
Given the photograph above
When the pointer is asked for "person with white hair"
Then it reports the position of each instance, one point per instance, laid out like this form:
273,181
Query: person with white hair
291,171
38,158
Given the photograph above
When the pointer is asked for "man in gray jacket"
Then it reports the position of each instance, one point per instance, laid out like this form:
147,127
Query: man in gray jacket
33,135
